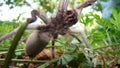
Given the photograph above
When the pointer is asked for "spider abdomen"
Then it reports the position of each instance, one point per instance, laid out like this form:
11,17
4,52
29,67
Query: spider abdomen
36,42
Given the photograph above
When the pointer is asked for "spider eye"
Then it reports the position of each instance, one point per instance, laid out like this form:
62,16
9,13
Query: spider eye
69,12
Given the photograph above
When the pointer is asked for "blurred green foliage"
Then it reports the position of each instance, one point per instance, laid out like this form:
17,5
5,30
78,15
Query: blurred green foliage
106,6
6,26
104,36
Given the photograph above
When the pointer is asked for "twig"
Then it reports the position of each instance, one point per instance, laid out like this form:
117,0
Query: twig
113,63
8,35
111,45
5,52
48,63
25,61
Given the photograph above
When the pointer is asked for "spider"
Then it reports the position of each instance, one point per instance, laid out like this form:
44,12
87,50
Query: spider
56,25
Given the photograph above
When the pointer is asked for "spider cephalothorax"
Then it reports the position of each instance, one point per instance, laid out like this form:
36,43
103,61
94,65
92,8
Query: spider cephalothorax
60,25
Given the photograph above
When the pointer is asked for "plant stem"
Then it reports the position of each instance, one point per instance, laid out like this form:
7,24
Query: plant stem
25,61
4,52
14,44
48,63
106,46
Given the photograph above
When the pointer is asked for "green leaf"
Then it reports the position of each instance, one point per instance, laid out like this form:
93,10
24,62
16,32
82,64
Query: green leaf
65,59
115,14
14,44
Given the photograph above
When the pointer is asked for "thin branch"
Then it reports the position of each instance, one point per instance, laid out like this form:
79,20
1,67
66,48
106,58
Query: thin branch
111,45
8,35
48,63
18,50
113,63
25,61
13,32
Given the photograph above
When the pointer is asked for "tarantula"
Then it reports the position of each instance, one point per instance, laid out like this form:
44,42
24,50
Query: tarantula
56,25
